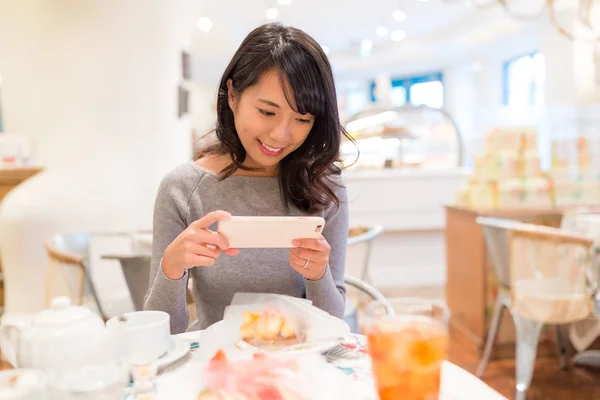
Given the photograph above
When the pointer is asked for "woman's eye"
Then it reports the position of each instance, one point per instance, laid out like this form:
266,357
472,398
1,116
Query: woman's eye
304,121
266,113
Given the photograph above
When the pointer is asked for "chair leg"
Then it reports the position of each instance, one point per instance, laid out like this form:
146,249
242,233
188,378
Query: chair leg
492,333
92,290
528,334
563,349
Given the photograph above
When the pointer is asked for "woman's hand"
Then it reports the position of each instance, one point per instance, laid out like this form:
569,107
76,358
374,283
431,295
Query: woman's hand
310,257
197,246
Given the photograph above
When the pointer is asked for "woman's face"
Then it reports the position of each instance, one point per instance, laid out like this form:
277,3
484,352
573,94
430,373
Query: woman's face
267,126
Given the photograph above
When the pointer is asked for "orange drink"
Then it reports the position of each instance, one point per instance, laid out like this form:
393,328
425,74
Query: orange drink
407,341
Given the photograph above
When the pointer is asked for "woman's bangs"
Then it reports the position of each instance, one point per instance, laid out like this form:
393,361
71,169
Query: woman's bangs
302,84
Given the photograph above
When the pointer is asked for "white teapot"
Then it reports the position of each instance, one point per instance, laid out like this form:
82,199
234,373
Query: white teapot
61,337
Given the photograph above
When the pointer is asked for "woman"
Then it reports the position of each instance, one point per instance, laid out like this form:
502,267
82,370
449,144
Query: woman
277,145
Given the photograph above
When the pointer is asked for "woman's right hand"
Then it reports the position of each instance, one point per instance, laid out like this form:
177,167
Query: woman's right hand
197,246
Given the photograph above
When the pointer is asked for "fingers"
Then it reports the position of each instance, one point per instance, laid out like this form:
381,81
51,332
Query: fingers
199,260
202,250
205,236
298,262
306,254
200,255
307,268
301,265
312,244
231,252
211,218
310,257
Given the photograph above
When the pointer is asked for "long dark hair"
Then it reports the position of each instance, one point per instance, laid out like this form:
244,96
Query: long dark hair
305,174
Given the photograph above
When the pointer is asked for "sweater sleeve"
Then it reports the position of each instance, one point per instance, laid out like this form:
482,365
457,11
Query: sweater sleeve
171,211
329,292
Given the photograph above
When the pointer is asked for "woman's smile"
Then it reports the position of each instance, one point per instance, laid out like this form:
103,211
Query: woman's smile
269,150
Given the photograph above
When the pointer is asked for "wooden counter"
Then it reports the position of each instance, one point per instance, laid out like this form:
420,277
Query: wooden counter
471,284
10,178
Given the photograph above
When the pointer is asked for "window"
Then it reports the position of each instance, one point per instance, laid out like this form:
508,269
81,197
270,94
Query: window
418,90
356,100
398,96
524,80
428,93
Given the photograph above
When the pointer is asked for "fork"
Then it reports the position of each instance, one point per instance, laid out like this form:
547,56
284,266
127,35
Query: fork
343,352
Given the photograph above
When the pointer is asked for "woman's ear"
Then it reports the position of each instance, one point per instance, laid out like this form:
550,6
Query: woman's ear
231,94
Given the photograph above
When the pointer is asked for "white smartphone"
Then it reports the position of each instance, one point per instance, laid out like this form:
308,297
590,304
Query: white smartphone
269,232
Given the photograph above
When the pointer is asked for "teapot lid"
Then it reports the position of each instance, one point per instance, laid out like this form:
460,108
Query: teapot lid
61,312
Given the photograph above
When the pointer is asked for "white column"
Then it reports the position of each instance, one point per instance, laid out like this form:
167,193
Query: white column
461,100
94,85
383,90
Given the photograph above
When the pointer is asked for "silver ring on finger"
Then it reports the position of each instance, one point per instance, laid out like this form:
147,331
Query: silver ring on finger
305,264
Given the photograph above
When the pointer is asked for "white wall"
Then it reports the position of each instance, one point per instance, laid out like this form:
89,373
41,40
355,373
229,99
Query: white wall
94,85
203,109
98,81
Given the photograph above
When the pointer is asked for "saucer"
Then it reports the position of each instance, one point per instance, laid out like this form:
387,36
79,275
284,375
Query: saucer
178,348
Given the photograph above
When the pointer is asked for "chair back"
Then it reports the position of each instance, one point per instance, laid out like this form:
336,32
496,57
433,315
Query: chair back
358,251
68,272
548,272
586,222
496,232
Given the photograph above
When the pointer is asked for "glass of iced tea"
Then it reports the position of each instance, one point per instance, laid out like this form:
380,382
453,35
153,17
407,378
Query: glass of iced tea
407,343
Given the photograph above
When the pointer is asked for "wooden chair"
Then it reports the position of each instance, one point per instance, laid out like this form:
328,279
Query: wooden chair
68,270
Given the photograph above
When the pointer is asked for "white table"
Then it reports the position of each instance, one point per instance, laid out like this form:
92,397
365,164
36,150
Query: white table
182,383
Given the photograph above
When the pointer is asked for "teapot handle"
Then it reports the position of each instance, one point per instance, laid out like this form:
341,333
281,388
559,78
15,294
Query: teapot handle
10,342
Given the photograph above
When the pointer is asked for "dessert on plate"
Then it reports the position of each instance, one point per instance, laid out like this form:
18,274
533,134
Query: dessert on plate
269,328
261,378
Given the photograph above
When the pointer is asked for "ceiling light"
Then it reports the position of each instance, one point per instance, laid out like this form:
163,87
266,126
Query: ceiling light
399,15
325,49
284,2
398,36
382,31
204,24
272,13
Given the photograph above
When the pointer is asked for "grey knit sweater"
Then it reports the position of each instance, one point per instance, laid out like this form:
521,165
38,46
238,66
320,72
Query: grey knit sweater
186,194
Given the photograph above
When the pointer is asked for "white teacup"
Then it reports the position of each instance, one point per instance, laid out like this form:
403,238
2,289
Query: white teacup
143,336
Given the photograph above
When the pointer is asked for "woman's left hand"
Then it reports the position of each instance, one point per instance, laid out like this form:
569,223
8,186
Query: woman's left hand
310,257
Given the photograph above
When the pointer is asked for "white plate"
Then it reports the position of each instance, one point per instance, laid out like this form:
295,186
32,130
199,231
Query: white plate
178,348
188,381
30,384
216,337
